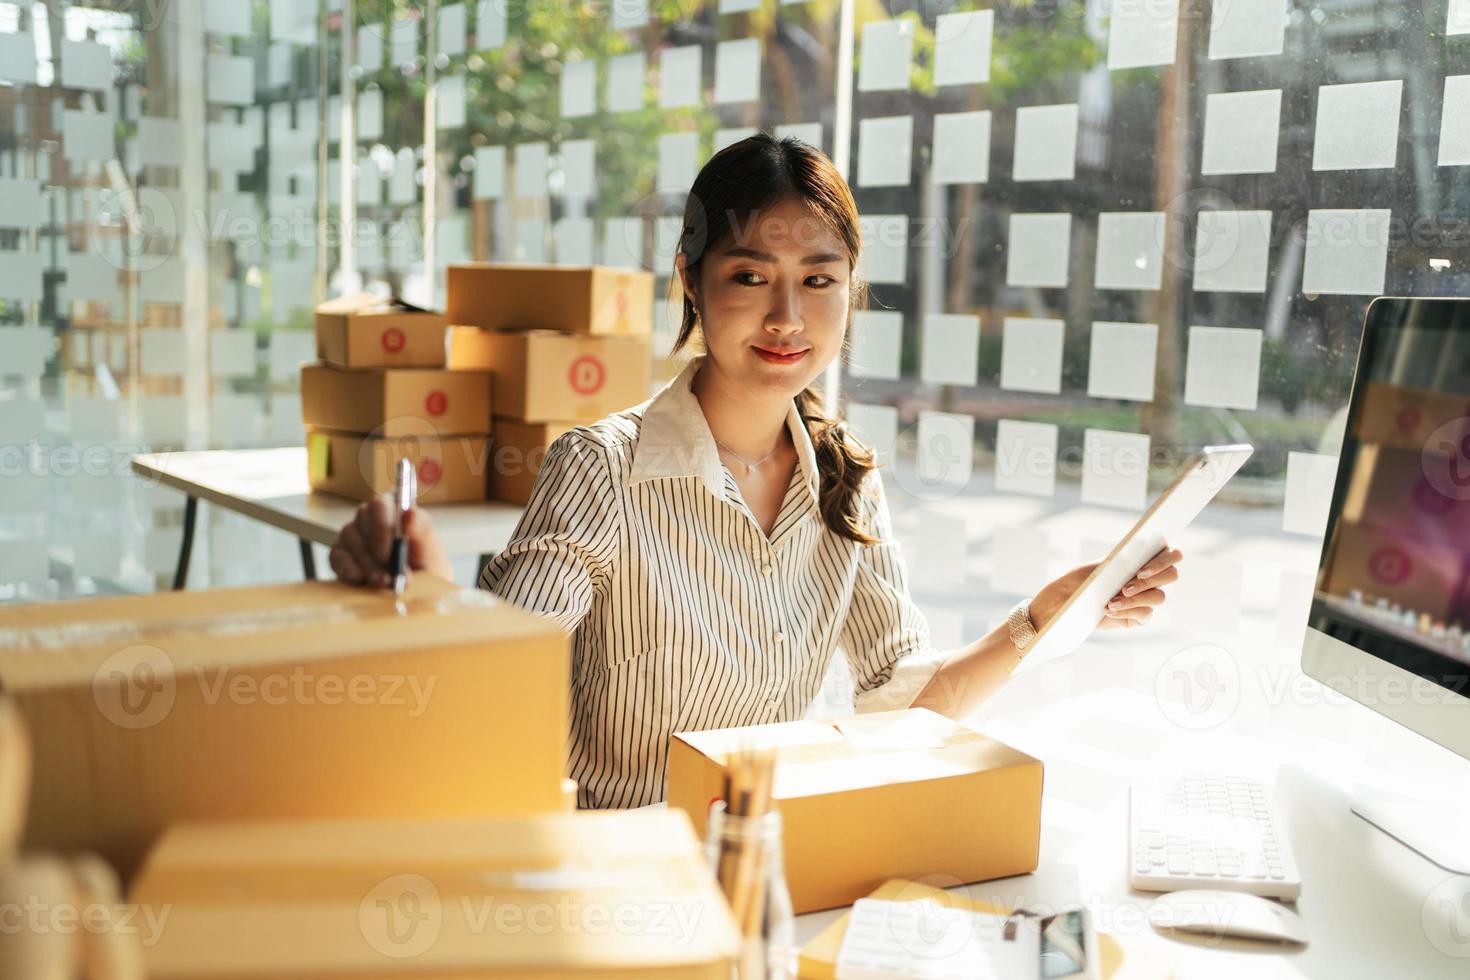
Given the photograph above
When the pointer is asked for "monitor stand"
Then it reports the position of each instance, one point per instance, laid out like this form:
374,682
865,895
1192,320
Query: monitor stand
1438,829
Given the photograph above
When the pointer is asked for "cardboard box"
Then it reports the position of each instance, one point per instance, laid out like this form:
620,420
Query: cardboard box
362,330
1416,419
890,794
450,470
309,700
398,402
576,299
517,450
543,376
1412,494
1424,576
605,894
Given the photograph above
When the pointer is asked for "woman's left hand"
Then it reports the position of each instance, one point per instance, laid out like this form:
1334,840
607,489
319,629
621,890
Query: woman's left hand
1132,606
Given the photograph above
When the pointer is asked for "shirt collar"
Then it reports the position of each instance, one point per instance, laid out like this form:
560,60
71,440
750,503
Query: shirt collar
675,440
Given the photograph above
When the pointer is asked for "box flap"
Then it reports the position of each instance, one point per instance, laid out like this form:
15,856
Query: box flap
364,302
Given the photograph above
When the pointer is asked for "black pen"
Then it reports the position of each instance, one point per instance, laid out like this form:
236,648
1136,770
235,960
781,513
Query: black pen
405,496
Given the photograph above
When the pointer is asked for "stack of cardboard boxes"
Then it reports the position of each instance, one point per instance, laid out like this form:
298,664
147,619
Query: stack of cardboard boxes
381,393
566,345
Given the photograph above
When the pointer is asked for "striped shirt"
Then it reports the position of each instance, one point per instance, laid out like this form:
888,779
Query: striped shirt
684,615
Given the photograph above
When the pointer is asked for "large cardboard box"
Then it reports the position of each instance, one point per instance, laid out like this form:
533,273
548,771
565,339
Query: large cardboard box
362,330
1416,419
604,894
1409,493
1423,576
396,402
286,701
544,376
517,451
577,299
905,794
449,469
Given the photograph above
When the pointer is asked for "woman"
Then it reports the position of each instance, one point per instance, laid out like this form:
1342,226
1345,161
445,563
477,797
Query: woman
711,548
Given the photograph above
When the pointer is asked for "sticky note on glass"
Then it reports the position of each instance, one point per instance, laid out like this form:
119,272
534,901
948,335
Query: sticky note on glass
1458,21
1142,33
737,6
232,353
20,202
530,240
405,41
86,64
885,252
159,141
578,88
531,162
1309,482
1025,457
449,102
1130,250
1031,354
1121,360
885,151
961,148
370,115
1115,468
24,351
1039,250
949,349
1454,125
876,426
578,167
230,79
629,13
962,44
1247,28
1019,555
1241,131
1347,251
877,339
1223,367
1357,126
946,449
285,421
234,419
369,45
622,242
679,82
1046,143
666,231
490,16
808,133
86,135
489,172
886,54
402,187
574,240
161,351
1232,251
940,543
18,57
625,74
678,161
737,71
453,22
727,137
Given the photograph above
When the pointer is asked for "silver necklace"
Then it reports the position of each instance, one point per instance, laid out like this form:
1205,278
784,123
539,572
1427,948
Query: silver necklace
749,466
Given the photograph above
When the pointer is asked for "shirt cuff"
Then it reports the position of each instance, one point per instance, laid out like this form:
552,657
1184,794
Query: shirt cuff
910,675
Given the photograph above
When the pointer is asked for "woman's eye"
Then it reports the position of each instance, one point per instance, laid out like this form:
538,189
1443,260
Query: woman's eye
820,282
747,279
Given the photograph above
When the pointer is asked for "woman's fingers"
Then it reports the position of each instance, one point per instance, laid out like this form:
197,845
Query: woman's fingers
1167,558
1168,576
1150,598
356,542
345,567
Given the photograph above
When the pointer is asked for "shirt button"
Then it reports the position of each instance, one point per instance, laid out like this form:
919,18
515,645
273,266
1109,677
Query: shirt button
779,637
767,568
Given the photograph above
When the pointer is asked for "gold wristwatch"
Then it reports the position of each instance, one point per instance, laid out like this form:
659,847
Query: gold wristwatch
1020,626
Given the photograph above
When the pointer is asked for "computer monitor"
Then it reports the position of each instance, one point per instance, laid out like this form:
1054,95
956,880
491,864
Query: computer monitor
1389,624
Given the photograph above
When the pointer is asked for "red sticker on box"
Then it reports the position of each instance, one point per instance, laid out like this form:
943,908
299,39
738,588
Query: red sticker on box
393,340
586,375
429,472
1408,418
1390,565
437,403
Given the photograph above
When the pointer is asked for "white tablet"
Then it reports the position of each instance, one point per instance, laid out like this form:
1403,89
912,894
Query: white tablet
1204,474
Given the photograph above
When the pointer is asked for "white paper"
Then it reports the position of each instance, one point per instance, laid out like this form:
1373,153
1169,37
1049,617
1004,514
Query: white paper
530,240
622,243
875,426
20,276
729,137
1019,556
877,337
886,55
159,141
885,151
737,71
1232,251
961,148
885,247
1142,33
808,133
289,349
402,186
25,493
452,26
574,240
20,203
369,44
1309,482
1031,354
86,135
1115,468
679,82
625,80
530,164
405,41
232,353
96,556
161,351
490,18
962,47
678,161
1121,360
1357,126
1046,143
578,89
227,17
629,13
1223,368
950,349
91,277
939,546
1039,250
24,351
1130,250
163,420
370,115
1241,131
1458,21
1293,605
230,80
1454,124
18,58
235,420
86,64
449,102
24,561
285,422
22,420
230,147
578,167
946,449
369,182
1347,252
294,20
1247,28
1025,457
489,172
737,6
666,231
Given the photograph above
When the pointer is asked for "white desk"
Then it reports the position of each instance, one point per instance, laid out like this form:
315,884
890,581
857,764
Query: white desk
270,485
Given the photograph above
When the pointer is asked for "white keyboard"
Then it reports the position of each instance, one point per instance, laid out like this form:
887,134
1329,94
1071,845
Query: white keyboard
1208,830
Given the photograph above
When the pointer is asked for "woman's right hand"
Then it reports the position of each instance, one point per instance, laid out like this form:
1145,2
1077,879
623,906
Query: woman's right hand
360,556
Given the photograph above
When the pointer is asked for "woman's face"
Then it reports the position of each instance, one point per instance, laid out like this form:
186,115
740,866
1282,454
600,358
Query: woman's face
774,298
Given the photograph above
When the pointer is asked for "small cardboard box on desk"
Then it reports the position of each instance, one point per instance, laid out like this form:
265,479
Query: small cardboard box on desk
890,794
312,700
361,330
603,894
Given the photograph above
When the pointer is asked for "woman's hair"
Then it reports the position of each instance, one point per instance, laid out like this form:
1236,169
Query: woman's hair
737,184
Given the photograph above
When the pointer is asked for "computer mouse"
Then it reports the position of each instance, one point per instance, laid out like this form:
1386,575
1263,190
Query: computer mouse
1214,913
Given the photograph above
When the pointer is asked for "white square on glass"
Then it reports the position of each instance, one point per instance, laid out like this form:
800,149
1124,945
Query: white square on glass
449,102
961,148
573,238
962,44
949,349
946,449
728,137
808,133
886,53
86,64
678,161
1121,360
578,89
1025,457
1039,250
579,167
1223,367
1247,28
885,151
1142,33
1031,354
1232,251
1115,468
885,247
452,28
1046,143
1454,125
531,161
1241,130
1357,126
1130,250
1347,251
679,82
489,172
738,71
1458,21
625,74
1309,481
622,242
1019,555
877,339
530,240
876,426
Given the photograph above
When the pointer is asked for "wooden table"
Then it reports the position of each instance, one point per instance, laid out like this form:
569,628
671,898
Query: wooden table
270,485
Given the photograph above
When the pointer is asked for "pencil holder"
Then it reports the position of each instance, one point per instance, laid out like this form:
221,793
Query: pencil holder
745,853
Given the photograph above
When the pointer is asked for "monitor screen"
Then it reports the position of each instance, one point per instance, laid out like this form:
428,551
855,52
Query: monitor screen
1394,579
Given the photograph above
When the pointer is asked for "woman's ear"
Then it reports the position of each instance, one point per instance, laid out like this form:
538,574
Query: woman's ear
679,264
